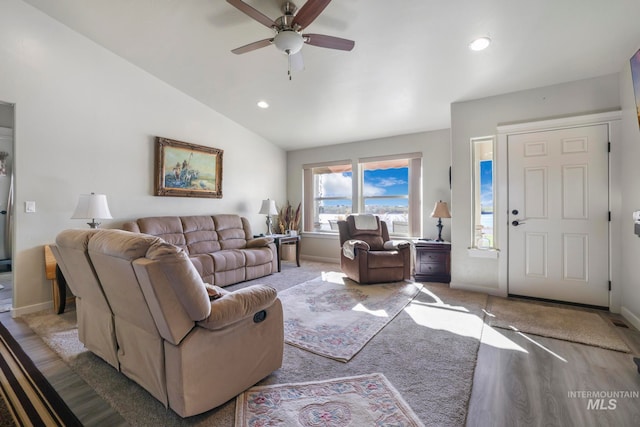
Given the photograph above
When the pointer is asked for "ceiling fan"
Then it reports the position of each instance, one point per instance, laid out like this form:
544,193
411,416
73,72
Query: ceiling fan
288,37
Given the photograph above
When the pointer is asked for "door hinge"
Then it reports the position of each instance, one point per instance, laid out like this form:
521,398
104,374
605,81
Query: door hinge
609,284
609,147
609,216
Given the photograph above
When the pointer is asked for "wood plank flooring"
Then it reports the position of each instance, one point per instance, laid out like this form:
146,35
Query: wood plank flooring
527,380
88,406
520,380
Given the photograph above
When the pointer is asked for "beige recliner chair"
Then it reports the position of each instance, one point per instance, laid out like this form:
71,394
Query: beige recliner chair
190,352
368,255
96,328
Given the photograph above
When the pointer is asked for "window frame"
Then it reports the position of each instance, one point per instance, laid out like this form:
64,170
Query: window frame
477,157
414,195
310,197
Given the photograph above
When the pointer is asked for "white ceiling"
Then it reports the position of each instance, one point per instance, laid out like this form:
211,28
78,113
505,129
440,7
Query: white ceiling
410,60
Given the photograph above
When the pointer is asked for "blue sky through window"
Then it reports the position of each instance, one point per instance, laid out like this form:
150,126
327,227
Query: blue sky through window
377,182
486,186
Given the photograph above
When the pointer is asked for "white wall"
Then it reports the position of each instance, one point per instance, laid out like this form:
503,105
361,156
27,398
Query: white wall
6,115
630,196
86,121
481,117
436,158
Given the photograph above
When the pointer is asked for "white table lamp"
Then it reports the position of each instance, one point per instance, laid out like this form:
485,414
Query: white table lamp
268,208
92,206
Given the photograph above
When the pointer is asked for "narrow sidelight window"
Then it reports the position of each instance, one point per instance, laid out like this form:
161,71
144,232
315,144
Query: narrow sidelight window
483,230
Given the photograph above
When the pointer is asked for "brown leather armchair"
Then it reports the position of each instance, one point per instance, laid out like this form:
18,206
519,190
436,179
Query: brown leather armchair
368,255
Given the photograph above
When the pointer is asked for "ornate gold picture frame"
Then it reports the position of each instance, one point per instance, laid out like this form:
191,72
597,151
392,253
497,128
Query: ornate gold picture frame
187,170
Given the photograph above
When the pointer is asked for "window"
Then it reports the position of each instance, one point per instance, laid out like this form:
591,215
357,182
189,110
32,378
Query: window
385,192
330,189
483,193
389,187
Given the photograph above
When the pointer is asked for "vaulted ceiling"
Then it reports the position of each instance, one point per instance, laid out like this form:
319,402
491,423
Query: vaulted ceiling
410,62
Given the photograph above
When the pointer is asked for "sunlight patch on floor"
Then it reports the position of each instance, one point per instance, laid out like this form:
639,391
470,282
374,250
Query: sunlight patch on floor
378,313
539,345
456,322
439,303
492,337
333,277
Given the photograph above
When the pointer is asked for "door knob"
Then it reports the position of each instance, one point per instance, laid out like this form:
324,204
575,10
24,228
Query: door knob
517,222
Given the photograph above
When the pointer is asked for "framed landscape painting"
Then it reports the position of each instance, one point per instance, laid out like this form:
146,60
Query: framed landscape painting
187,170
635,76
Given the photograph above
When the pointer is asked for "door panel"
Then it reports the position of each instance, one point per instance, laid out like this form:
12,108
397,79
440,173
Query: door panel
558,241
536,255
535,192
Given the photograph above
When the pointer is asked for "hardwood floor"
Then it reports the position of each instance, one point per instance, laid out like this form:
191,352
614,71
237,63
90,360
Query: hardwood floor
527,380
520,380
6,290
85,403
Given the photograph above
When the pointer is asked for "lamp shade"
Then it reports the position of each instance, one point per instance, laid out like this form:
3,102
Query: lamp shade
441,210
92,206
268,207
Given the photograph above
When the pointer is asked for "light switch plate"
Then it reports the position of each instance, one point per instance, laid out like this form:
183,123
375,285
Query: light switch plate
29,207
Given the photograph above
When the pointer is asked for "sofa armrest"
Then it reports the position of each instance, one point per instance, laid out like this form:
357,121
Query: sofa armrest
238,305
390,245
131,226
259,242
350,246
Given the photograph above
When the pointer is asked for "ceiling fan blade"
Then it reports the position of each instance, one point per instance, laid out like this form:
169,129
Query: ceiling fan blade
253,13
309,12
252,46
329,42
296,61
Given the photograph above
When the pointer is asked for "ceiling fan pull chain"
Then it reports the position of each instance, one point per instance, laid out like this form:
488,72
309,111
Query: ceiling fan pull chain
289,64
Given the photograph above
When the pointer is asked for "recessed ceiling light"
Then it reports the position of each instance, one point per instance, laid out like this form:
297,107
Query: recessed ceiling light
263,104
480,44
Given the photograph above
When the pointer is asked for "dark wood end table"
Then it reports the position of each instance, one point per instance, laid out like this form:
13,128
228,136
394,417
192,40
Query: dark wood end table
433,261
286,239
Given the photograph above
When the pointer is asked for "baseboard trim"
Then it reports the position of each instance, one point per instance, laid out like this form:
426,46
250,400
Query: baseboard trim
630,316
21,311
320,259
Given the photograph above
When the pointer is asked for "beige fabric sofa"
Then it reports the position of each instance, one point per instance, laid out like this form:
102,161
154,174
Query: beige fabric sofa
221,247
190,351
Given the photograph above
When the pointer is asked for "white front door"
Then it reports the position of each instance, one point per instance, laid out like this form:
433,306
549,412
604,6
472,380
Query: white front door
559,215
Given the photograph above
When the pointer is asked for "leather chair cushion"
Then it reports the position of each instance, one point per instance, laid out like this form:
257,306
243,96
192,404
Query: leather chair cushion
385,259
372,237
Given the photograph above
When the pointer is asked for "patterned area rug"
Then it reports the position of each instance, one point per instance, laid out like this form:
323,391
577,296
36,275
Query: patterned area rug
335,317
367,400
554,322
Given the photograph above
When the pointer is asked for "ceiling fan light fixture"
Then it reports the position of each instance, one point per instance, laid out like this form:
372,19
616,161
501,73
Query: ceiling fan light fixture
480,43
288,42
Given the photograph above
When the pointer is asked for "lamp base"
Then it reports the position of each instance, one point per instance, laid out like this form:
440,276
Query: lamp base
93,224
269,226
439,225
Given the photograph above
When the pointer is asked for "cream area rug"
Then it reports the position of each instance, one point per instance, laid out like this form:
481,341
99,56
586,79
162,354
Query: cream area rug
366,400
554,322
335,317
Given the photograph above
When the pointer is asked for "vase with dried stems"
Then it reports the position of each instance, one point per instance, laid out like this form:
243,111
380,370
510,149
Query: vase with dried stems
288,218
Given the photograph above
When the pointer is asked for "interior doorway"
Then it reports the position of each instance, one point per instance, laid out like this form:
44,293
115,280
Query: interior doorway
7,118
